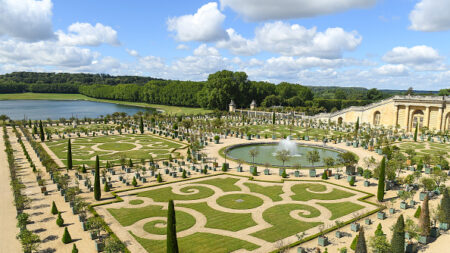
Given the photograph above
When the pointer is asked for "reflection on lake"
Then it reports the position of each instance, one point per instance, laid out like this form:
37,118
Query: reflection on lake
56,109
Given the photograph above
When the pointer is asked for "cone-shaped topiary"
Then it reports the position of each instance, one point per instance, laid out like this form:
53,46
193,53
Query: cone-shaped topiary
159,178
184,174
379,230
354,242
418,211
69,155
60,220
97,190
325,175
415,133
361,244
172,243
54,208
141,125
106,187
66,236
130,163
74,249
83,169
398,236
134,182
445,207
381,178
424,219
41,131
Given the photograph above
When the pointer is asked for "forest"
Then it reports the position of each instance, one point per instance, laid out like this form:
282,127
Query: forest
214,93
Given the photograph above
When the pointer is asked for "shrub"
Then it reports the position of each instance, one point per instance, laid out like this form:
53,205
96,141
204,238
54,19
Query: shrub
74,249
54,208
134,183
66,237
352,181
354,242
324,175
60,220
184,174
283,174
379,230
159,178
418,211
106,187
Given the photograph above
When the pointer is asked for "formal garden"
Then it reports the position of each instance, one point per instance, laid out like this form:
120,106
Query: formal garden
235,212
118,182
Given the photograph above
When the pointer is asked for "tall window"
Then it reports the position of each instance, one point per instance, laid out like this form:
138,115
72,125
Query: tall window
417,119
376,118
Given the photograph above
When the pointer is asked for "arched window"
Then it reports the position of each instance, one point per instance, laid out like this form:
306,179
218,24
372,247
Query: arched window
447,120
376,118
417,119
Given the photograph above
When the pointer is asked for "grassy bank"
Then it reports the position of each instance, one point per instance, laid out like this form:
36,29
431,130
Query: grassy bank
56,96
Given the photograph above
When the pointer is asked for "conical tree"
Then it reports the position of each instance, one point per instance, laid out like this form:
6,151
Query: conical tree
66,236
379,230
398,236
381,178
69,155
172,244
361,244
445,207
357,127
97,190
415,134
418,211
41,131
141,125
74,249
54,208
424,219
59,220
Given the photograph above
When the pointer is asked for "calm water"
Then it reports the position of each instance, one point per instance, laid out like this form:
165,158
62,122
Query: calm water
55,109
266,154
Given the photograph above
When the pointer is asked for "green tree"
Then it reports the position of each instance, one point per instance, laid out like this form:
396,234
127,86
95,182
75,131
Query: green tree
141,125
74,248
41,131
357,127
30,241
398,236
159,178
69,155
172,243
444,207
54,208
418,211
60,220
66,236
415,133
381,179
97,190
106,187
424,219
313,156
113,245
253,153
134,182
379,230
354,242
282,155
361,244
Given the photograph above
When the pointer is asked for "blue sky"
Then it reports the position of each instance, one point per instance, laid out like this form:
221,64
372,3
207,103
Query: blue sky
369,43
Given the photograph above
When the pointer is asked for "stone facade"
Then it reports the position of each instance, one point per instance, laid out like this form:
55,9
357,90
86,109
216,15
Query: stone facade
405,112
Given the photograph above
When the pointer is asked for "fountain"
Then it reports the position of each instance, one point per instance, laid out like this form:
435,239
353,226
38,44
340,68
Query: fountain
289,145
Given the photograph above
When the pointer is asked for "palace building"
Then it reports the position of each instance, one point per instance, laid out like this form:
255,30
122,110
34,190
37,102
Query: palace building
406,112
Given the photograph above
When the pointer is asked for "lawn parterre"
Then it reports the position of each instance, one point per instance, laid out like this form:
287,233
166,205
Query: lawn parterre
233,210
114,147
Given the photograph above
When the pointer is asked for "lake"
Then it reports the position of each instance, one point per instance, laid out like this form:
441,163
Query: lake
56,109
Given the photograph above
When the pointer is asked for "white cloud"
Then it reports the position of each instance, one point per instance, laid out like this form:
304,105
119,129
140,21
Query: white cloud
392,70
430,16
28,20
44,53
132,52
183,47
84,34
293,40
205,25
257,10
420,57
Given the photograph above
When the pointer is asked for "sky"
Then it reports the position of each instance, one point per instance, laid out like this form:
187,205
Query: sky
385,44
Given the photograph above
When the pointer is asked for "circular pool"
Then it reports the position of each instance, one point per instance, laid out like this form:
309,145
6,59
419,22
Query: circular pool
267,153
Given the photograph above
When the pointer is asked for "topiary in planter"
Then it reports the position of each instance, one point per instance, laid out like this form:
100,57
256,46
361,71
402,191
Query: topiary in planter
60,220
66,237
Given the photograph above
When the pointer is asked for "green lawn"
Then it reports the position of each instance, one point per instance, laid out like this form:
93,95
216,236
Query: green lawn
129,216
57,96
301,194
272,192
239,201
165,194
283,225
113,147
136,202
184,221
342,208
199,243
222,220
226,184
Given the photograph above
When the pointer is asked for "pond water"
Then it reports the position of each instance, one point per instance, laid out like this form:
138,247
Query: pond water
267,154
56,109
